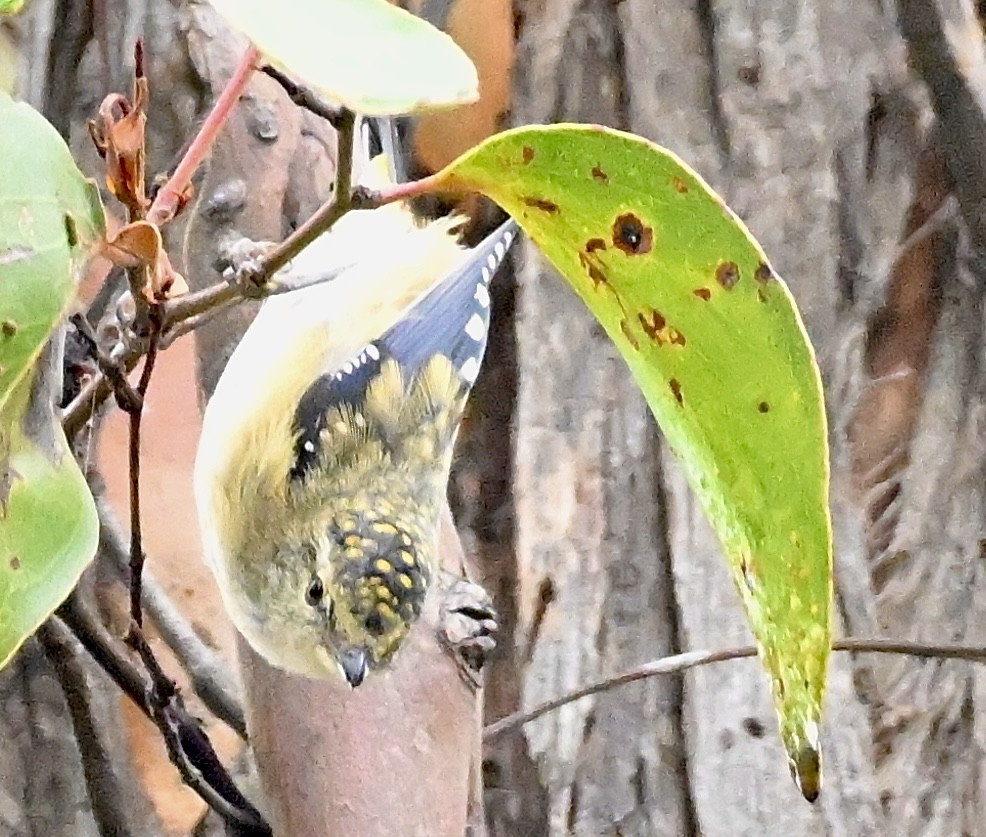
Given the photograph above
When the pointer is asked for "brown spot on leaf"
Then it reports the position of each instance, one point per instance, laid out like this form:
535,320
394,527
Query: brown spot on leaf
676,337
595,274
631,235
71,231
15,563
9,328
763,407
676,390
680,186
653,325
763,273
528,154
600,175
594,244
7,477
703,293
543,204
630,336
727,275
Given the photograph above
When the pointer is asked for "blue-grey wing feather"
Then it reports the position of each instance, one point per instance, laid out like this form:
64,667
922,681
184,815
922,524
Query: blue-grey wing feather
451,320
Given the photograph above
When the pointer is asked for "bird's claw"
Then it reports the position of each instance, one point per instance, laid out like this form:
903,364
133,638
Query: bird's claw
468,623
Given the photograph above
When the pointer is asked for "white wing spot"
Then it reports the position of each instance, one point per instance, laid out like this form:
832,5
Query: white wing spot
500,249
476,328
469,370
347,368
492,261
482,295
373,352
309,447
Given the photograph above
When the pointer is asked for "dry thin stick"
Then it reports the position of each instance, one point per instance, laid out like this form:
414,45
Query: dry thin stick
100,646
136,411
210,679
693,659
190,749
305,98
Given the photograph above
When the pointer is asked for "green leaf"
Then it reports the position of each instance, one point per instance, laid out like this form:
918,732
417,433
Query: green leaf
11,7
50,217
370,56
717,346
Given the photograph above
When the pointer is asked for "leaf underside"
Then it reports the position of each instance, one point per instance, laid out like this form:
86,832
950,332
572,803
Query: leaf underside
370,56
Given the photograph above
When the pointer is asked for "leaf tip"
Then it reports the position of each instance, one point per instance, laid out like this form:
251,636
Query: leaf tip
805,762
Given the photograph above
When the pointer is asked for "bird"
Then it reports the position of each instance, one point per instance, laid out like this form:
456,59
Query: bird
325,450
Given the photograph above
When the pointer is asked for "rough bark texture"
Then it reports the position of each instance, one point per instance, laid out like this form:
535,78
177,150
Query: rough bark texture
805,117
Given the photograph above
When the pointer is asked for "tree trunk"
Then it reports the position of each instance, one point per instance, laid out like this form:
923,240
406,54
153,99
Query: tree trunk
804,116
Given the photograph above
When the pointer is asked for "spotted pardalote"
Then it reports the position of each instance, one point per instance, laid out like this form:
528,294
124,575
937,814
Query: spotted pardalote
326,446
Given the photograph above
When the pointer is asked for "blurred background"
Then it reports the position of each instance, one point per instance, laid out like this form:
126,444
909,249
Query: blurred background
851,138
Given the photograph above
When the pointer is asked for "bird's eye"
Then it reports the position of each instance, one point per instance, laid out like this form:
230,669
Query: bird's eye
315,592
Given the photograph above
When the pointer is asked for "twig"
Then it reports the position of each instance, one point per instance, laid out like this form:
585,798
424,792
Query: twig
306,98
110,809
136,411
101,647
693,659
325,216
190,749
209,677
170,196
195,757
254,280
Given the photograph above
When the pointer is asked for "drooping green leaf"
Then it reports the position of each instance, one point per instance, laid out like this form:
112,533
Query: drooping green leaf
50,217
717,346
370,56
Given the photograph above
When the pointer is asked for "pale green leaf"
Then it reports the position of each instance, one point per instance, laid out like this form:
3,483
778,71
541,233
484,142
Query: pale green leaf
368,55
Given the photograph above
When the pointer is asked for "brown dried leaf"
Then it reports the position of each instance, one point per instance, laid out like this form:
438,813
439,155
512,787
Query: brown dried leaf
139,244
120,141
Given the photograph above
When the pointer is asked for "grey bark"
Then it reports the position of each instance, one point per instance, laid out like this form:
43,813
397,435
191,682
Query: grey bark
774,104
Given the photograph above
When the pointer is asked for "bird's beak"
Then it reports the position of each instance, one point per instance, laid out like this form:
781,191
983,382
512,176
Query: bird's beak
354,665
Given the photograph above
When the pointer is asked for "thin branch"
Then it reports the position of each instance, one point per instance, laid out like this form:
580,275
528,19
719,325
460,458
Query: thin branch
253,280
325,216
170,196
110,808
210,679
190,749
306,98
188,746
693,659
102,648
136,411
